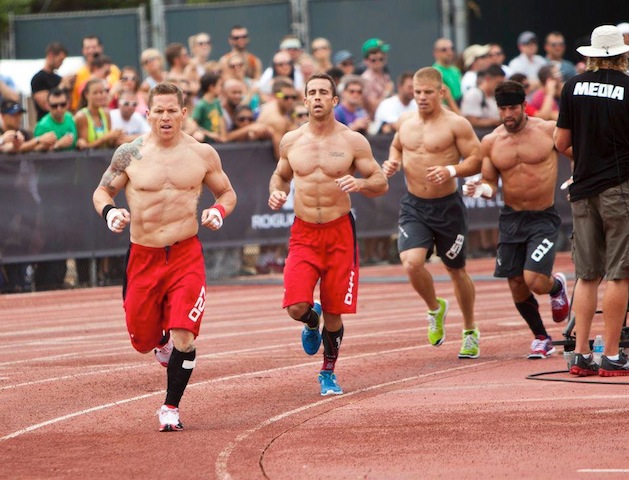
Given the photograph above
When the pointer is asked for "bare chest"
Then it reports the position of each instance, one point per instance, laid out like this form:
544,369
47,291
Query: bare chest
156,171
332,158
419,138
511,151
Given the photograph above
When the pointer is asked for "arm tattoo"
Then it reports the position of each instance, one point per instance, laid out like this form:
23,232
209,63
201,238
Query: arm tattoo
121,160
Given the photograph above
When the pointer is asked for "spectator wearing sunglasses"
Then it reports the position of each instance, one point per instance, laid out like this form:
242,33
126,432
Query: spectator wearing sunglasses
127,119
200,46
239,41
277,113
555,48
444,55
246,129
350,109
129,80
377,82
58,121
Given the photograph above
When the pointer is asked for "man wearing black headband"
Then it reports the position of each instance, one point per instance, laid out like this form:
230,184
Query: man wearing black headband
521,152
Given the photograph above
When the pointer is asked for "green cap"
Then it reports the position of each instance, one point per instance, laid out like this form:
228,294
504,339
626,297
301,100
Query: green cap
375,44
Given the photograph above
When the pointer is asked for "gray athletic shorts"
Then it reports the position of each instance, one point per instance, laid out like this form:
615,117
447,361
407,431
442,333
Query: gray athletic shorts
430,222
600,246
527,241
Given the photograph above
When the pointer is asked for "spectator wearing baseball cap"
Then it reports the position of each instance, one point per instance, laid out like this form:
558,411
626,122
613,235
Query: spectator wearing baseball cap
374,44
344,60
377,81
13,138
528,62
475,59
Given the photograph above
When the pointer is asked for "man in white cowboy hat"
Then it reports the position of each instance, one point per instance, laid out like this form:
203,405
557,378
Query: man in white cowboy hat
593,119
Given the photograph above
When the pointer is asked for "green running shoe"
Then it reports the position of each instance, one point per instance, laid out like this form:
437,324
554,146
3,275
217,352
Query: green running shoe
470,347
436,322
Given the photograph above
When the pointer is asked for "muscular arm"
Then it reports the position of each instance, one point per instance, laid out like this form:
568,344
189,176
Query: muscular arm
468,145
489,172
115,177
219,184
391,166
373,183
563,140
279,185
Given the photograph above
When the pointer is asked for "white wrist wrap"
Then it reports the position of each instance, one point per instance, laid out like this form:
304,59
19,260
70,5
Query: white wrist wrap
481,190
451,170
219,217
113,218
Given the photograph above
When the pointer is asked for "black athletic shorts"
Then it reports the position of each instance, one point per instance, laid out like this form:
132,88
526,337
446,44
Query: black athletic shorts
528,241
430,222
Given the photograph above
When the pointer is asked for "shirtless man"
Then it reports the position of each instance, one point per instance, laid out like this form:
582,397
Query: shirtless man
322,156
429,145
163,173
521,152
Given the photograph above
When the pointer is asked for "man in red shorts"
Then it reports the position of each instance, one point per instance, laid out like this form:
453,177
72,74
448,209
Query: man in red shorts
163,173
321,157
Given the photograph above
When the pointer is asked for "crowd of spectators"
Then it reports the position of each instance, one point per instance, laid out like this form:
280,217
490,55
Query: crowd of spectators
237,98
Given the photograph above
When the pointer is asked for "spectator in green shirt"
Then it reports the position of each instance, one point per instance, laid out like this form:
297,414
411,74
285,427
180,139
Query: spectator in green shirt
59,121
443,52
208,113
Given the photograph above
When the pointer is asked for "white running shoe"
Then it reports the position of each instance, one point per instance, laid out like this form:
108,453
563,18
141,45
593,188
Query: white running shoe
163,353
169,419
541,347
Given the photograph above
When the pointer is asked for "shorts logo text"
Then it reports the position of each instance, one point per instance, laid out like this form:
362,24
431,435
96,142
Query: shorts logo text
199,306
456,247
542,249
349,296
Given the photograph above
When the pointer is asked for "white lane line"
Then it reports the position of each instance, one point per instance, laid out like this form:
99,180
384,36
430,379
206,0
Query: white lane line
223,456
241,376
603,470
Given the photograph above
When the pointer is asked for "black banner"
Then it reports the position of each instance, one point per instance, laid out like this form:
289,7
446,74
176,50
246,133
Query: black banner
46,208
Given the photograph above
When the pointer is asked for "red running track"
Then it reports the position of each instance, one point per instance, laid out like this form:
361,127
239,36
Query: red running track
78,402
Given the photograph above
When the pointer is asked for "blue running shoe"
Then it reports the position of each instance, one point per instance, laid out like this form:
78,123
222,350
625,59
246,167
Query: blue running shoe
328,383
311,337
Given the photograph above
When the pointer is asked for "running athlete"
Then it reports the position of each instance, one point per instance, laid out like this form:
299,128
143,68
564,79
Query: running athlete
429,145
163,173
321,157
522,153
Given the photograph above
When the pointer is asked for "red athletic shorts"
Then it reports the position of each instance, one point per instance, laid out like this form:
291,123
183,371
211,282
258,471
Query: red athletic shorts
323,251
164,288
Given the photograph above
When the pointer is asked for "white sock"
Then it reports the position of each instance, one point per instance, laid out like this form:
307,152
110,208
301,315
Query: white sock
614,357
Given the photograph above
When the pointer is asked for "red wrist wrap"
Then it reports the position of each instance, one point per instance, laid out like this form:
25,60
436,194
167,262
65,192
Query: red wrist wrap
220,208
